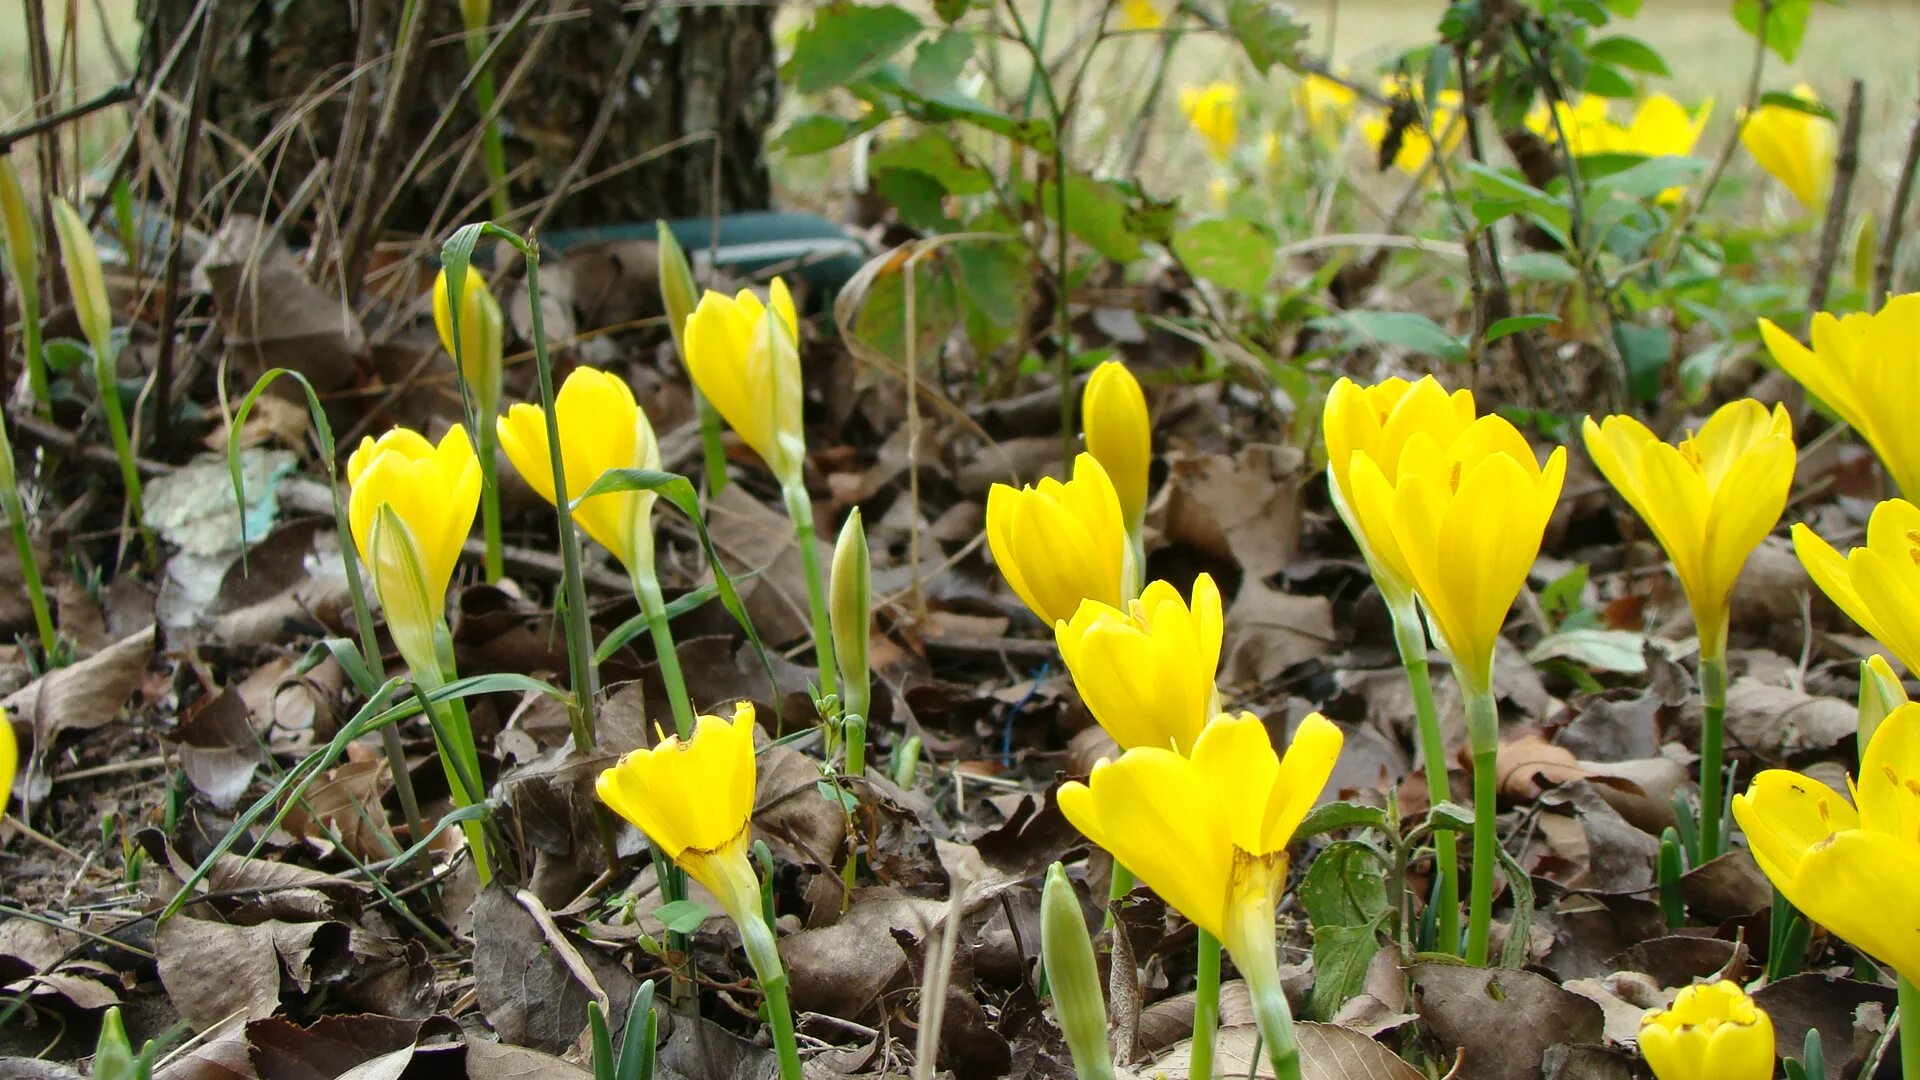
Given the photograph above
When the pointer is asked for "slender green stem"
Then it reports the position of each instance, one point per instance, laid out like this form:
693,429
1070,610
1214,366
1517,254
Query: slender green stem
36,359
673,886
107,376
1254,953
646,589
23,547
711,450
453,733
1119,884
493,150
1909,1030
800,510
1486,837
1713,691
757,937
1206,1006
1411,639
490,497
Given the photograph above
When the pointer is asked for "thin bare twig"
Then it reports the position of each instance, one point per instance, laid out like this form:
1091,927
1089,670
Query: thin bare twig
113,95
1844,168
1896,218
409,63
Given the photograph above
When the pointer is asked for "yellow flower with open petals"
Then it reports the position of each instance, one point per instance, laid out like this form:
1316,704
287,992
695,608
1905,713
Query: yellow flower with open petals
1462,524
748,366
1714,1031
1147,672
1855,872
1877,585
1058,544
694,798
1796,147
601,428
429,493
1113,411
1210,109
1867,369
1709,500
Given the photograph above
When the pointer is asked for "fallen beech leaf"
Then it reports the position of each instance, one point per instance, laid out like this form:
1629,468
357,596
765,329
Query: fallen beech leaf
1505,1020
1327,1052
1529,764
215,972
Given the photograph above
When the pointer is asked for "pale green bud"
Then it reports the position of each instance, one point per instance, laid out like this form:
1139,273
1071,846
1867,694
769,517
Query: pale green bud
1073,977
16,232
84,277
850,606
678,293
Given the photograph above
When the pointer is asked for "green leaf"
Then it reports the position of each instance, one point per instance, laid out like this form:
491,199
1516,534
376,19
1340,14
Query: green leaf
996,279
1514,324
1231,251
919,198
812,133
872,307
938,63
1266,30
1646,350
846,42
1406,329
1096,213
1628,52
1650,177
1340,815
1604,80
836,795
1544,266
682,916
1618,651
1341,955
1786,25
1345,886
930,151
1797,103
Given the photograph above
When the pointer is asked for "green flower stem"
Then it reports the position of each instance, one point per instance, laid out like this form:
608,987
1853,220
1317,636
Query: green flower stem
646,589
1119,884
453,734
106,375
800,510
36,358
1483,723
1411,639
1909,1030
23,547
493,151
711,449
1206,1006
757,937
489,440
1258,960
1713,692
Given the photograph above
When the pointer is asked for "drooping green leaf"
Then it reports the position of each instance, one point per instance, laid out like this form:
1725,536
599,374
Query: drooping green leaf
1514,324
1785,100
1605,80
1628,52
814,132
872,307
1341,955
846,42
1786,23
1266,30
932,152
1340,815
1229,251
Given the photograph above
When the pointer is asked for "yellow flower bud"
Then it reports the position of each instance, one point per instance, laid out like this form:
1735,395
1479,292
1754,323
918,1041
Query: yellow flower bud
84,278
694,798
1058,544
9,759
1714,1031
678,293
1113,410
1147,672
601,428
1797,148
744,356
481,332
430,494
1861,365
1710,500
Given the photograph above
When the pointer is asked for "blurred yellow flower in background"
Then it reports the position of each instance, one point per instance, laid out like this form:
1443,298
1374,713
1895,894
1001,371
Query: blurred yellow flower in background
1141,15
1211,111
1713,1031
481,344
1796,147
1327,105
1417,140
1866,368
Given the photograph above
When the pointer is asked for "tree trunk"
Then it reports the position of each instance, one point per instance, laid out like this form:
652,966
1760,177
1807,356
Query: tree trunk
282,89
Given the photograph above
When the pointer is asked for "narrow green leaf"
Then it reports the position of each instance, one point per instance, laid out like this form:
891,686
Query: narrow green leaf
1514,324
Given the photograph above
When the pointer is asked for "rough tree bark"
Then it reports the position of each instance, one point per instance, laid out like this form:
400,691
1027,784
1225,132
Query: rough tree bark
708,68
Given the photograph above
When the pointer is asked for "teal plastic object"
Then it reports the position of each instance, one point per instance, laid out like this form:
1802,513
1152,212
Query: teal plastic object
749,246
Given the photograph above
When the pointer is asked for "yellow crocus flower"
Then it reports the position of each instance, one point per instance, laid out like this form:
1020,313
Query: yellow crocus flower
1709,500
1714,1031
9,760
1141,15
1462,524
1058,544
1855,872
1147,672
601,428
1113,410
1877,585
1209,833
748,366
694,798
481,344
1378,420
410,509
1662,127
1797,148
1328,105
1866,368
1210,110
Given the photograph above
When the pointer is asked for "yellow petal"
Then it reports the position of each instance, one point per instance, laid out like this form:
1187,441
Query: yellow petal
1304,773
1235,757
1785,814
1113,410
1155,812
1888,790
9,760
1864,886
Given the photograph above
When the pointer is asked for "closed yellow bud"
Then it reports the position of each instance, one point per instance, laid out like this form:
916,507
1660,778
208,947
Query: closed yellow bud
17,233
1210,109
744,356
678,293
1862,367
430,494
1147,672
84,278
1714,1031
1462,524
1881,692
1058,544
694,798
1797,148
1877,585
9,760
1113,410
1710,500
601,428
481,345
